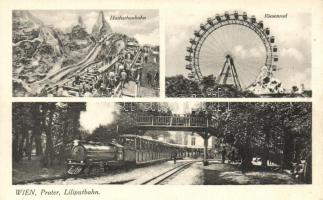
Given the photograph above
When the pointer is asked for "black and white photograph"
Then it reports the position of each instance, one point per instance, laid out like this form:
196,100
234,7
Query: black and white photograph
161,143
238,53
85,53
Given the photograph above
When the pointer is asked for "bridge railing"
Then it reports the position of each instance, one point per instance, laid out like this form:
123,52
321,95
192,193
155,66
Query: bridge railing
189,121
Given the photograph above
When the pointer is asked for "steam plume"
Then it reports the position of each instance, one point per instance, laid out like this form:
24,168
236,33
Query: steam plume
98,113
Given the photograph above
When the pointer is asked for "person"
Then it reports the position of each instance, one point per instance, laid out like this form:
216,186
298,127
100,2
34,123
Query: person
156,78
81,89
65,93
43,92
223,154
87,93
120,68
233,156
112,80
298,172
174,156
146,57
59,91
102,90
76,80
96,93
123,76
148,78
29,144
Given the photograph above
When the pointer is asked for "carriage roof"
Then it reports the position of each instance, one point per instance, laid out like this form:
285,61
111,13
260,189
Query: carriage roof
157,141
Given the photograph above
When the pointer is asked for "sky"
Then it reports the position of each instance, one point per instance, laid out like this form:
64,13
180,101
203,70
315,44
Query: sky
292,35
145,31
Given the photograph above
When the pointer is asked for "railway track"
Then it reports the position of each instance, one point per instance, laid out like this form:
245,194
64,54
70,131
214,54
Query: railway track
159,179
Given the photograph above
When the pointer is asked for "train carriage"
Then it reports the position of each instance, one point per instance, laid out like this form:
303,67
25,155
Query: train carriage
140,149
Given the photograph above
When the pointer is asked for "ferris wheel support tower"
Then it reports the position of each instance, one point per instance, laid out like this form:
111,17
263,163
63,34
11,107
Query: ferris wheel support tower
229,70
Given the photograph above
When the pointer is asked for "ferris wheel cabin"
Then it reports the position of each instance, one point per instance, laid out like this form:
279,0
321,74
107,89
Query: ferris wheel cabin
192,41
202,26
218,17
236,15
210,21
244,16
253,19
272,39
188,58
197,34
275,58
226,15
190,75
189,67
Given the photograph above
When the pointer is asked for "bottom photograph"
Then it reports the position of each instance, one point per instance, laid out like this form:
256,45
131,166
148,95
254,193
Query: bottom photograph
162,143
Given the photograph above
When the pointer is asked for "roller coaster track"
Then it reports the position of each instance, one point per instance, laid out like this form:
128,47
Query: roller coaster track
86,61
66,70
135,58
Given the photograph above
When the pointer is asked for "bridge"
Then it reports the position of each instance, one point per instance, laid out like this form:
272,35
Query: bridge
201,125
175,123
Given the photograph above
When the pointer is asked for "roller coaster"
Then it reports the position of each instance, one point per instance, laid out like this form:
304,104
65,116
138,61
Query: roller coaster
86,73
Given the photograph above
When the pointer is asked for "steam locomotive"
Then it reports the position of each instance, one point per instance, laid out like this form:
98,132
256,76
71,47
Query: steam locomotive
127,149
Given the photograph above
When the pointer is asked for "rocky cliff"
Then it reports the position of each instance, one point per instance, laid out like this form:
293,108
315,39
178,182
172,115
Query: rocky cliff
101,27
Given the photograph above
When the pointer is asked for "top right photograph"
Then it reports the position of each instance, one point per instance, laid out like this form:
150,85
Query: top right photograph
238,54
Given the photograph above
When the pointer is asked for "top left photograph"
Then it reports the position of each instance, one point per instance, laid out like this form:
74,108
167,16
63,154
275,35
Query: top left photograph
85,53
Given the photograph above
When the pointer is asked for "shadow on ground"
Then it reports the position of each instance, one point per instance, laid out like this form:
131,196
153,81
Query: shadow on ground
226,174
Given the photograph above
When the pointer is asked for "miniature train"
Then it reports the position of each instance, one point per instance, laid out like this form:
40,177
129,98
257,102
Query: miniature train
128,149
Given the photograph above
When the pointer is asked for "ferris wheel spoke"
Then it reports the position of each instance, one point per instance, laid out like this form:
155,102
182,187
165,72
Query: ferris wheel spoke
246,75
211,47
217,42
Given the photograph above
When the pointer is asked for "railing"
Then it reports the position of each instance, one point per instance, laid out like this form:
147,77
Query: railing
179,121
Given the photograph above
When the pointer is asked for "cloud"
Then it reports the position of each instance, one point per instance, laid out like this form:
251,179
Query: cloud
244,52
239,51
183,107
150,38
302,77
254,52
292,53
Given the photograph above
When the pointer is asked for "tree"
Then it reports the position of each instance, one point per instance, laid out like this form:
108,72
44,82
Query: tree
57,123
267,130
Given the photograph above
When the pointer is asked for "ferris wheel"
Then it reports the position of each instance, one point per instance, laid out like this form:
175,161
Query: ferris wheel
234,47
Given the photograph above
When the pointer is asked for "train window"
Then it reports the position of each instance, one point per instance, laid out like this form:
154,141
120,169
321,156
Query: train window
144,145
193,141
137,143
130,142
